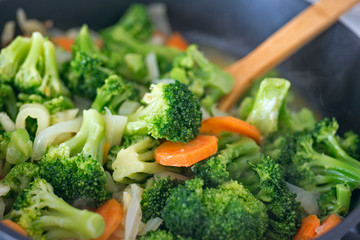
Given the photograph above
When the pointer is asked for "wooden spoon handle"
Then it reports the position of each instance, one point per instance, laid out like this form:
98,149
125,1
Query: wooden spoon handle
279,46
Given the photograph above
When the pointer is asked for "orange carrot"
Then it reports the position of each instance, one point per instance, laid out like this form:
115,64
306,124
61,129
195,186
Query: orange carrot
307,229
216,125
14,226
64,42
186,154
112,212
106,151
330,222
176,40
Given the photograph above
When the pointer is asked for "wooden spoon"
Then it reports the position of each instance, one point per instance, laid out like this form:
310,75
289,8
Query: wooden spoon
279,46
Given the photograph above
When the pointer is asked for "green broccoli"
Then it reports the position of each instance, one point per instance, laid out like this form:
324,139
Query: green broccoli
113,93
134,22
11,57
228,163
44,215
269,111
171,112
53,105
285,213
136,163
336,201
154,198
8,100
74,168
87,69
38,74
317,171
351,144
226,212
325,134
206,80
162,235
15,148
19,178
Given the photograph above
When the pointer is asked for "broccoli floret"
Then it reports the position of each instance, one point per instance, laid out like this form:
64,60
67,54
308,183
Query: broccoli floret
325,134
171,112
74,168
267,104
19,178
15,146
291,121
53,105
206,80
113,93
39,73
136,163
317,171
8,100
336,201
285,213
154,198
351,144
87,70
44,215
134,22
226,164
226,212
11,57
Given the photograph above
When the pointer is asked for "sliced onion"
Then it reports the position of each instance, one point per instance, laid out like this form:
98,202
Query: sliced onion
308,200
159,18
47,137
205,114
63,116
6,122
33,110
115,125
152,66
133,215
4,190
152,225
8,33
29,26
128,107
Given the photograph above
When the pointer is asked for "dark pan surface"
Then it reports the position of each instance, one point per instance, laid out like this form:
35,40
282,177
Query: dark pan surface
326,71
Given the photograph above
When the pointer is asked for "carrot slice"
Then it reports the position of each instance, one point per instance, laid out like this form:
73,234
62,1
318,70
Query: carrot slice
106,151
330,222
14,226
63,42
176,40
186,154
307,229
216,125
112,212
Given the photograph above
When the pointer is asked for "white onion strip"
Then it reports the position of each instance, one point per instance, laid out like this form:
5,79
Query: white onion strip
133,215
152,225
65,115
152,66
46,137
33,110
115,126
6,122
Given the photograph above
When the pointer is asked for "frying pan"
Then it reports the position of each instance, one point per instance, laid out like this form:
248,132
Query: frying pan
326,71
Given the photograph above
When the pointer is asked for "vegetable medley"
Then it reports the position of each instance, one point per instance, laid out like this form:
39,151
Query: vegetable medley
123,140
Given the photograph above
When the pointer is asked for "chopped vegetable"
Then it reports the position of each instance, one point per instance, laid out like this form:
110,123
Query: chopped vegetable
186,154
216,125
14,226
178,41
308,227
330,222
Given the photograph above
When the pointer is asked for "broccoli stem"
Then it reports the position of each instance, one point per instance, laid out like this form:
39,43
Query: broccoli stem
91,137
84,41
60,213
51,85
12,56
28,76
